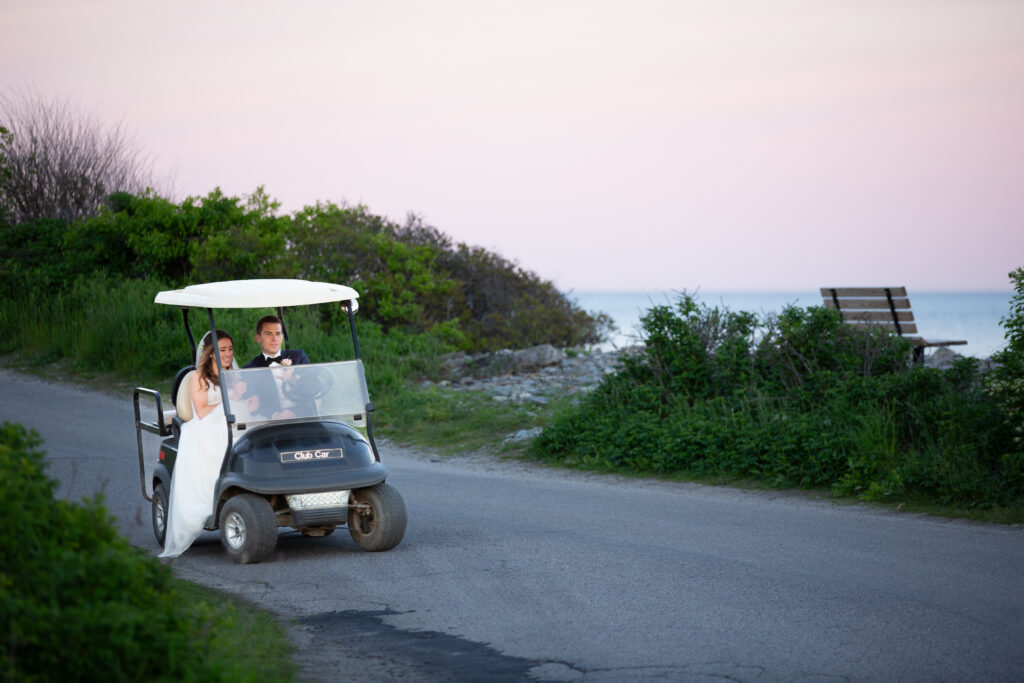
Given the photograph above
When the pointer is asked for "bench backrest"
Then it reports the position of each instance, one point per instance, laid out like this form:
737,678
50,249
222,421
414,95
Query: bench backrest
885,307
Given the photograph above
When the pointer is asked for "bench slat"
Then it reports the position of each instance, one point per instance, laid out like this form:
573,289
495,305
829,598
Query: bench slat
866,304
873,309
890,326
877,316
826,292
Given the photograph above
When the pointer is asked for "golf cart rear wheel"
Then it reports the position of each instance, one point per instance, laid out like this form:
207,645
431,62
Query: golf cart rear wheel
160,513
248,528
377,519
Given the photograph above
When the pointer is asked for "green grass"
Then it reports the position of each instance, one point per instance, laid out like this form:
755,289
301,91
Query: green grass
248,643
451,422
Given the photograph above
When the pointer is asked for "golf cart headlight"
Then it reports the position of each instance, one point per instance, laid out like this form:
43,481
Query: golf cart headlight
309,501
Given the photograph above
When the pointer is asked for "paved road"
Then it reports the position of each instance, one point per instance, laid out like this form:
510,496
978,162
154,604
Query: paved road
510,572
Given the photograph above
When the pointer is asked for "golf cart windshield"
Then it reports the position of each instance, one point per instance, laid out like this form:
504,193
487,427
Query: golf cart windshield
298,392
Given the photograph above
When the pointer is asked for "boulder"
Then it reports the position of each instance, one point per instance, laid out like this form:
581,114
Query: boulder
533,359
523,435
941,358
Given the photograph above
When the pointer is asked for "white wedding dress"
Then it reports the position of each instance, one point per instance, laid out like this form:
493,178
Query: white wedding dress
200,454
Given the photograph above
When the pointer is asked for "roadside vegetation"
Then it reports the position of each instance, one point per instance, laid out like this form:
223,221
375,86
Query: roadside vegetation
794,400
78,602
802,400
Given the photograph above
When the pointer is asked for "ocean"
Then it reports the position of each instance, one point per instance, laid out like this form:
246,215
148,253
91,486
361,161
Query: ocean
973,316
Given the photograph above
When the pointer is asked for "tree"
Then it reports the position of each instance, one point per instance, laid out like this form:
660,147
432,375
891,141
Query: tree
57,161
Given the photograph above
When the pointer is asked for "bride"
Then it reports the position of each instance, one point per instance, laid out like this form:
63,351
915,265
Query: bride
204,439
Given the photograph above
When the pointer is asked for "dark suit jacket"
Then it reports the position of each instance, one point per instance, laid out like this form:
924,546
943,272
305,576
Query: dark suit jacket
298,357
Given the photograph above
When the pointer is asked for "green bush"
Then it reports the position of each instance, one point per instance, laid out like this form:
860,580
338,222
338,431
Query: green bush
78,602
1005,384
412,279
497,303
399,283
214,237
799,399
32,257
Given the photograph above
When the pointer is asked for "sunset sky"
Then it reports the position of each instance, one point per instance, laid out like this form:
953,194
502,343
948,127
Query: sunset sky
627,145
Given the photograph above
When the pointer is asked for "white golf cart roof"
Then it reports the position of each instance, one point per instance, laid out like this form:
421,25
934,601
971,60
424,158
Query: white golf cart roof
256,294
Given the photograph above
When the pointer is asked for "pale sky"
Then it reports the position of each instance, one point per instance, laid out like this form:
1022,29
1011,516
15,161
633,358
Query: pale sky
626,145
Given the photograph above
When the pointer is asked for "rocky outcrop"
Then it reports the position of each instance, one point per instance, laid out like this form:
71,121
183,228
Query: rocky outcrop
527,376
943,358
504,362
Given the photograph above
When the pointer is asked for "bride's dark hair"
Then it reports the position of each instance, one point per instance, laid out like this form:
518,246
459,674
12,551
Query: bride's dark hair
207,359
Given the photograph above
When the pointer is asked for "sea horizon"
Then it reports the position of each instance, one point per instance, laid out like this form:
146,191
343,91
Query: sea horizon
969,315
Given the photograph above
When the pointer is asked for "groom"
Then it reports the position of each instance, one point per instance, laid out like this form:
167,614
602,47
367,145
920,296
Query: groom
269,336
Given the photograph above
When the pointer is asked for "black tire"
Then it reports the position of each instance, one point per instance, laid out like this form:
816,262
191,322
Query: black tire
381,526
160,512
248,528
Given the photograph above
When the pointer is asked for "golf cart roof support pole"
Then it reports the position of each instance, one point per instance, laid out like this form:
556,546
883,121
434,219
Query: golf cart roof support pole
223,394
369,430
188,330
284,330
347,305
352,326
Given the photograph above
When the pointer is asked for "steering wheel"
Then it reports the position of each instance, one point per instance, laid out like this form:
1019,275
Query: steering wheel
311,386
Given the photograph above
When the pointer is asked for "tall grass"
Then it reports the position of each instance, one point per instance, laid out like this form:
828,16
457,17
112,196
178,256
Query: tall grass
105,325
99,324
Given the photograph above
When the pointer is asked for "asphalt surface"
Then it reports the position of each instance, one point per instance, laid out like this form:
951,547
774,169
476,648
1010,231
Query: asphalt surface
515,572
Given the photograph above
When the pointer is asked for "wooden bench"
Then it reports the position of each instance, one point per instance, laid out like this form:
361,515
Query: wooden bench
886,307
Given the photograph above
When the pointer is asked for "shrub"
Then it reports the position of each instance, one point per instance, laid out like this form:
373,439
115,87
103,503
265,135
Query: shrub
32,257
201,239
798,399
411,279
399,282
58,162
497,303
1005,384
77,601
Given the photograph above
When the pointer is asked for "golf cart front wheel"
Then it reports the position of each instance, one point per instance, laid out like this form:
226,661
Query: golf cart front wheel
377,518
248,528
160,509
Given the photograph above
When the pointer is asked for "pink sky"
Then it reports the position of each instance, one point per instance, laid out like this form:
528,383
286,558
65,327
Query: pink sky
641,145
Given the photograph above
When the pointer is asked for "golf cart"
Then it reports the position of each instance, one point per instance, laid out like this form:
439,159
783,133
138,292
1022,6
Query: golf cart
313,467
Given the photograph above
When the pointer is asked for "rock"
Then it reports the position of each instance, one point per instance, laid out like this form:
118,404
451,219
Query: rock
504,362
498,363
453,364
522,435
529,376
942,358
538,357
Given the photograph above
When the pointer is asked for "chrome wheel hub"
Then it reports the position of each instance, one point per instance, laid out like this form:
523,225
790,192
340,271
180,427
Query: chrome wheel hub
235,530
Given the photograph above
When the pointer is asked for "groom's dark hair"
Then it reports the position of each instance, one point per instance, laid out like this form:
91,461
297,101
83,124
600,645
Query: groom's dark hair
267,320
